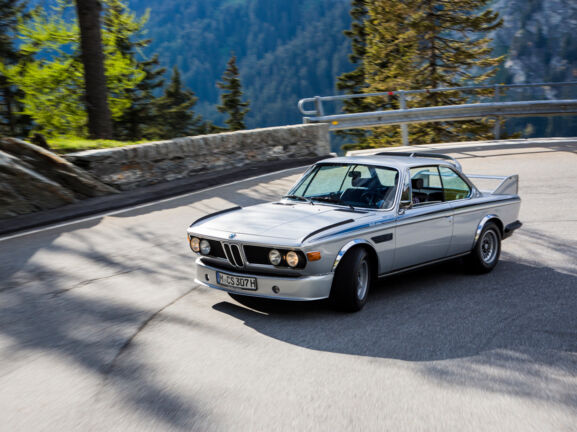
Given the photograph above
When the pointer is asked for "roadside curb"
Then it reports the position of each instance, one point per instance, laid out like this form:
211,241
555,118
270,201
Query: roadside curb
94,206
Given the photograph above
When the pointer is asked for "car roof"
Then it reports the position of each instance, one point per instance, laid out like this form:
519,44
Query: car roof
398,162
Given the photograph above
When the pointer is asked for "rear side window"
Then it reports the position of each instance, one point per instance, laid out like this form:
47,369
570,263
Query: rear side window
426,185
455,188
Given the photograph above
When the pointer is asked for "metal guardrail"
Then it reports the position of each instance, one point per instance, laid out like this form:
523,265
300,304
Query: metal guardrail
404,116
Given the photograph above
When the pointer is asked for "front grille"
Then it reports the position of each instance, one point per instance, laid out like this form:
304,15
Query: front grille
233,254
256,254
216,249
236,255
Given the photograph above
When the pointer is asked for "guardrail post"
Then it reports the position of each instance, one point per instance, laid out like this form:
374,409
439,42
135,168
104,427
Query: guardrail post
497,126
319,106
404,126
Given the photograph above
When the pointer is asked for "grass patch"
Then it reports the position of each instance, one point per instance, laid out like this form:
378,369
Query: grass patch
73,144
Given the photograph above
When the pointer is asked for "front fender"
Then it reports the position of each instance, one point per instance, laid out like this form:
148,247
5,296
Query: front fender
348,246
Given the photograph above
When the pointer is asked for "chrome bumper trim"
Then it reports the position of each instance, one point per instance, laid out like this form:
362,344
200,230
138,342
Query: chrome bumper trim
306,288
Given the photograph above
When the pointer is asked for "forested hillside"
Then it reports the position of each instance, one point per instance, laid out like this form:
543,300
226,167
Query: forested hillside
286,49
538,37
293,49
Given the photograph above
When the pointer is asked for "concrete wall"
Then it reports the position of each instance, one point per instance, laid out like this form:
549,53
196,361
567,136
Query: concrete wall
141,165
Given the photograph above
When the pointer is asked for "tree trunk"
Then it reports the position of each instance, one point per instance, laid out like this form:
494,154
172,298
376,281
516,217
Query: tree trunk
99,118
8,103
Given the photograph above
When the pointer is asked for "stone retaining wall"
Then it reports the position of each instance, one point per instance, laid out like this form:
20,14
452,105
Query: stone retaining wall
141,165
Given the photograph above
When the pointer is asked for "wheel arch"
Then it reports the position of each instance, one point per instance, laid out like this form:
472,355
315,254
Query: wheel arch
489,218
354,244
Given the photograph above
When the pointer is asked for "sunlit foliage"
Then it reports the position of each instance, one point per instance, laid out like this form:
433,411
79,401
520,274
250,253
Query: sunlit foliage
51,73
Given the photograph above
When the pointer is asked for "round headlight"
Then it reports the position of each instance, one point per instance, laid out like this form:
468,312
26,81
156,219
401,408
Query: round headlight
195,244
274,257
204,247
292,259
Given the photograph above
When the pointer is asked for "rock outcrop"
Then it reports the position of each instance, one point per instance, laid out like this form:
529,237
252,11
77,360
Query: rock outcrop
538,36
33,179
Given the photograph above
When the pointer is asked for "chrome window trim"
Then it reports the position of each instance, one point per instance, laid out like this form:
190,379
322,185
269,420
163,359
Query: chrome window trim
393,205
474,191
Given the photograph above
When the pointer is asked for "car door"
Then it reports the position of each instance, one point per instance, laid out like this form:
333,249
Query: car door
459,194
424,230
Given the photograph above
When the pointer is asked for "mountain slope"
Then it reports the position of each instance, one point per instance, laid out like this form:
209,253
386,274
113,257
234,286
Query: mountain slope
538,38
286,49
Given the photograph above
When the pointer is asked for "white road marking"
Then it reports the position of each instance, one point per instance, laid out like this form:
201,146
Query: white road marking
139,206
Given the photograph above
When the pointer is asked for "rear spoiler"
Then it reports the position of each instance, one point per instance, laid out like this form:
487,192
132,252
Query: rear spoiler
509,185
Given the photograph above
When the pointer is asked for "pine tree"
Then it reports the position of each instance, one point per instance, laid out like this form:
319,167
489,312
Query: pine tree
50,73
174,111
231,98
12,122
418,44
138,120
354,82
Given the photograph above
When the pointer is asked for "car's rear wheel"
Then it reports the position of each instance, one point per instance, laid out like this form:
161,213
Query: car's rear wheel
485,255
352,281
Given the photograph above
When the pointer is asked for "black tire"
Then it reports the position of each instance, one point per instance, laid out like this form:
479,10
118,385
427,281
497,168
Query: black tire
352,281
485,254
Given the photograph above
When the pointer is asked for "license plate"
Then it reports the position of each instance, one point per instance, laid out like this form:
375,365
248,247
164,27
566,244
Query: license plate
245,283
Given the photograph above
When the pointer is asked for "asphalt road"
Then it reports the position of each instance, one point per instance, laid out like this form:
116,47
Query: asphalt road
102,328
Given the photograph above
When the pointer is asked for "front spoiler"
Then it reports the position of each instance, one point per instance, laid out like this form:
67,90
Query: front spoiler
304,288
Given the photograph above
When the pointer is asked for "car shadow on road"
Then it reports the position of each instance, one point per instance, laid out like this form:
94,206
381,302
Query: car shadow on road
517,317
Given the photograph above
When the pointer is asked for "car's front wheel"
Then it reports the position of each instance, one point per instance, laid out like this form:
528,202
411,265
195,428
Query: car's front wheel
485,255
352,281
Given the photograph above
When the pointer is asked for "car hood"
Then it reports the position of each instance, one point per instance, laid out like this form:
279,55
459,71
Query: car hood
276,220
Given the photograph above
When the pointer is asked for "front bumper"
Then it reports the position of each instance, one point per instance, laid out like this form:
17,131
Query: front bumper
305,288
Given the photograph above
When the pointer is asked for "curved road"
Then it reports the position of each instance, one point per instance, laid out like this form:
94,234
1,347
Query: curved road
102,328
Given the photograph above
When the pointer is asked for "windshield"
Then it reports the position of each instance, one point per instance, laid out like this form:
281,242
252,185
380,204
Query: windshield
350,185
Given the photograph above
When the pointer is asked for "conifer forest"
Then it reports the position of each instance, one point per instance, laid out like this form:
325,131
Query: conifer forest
134,70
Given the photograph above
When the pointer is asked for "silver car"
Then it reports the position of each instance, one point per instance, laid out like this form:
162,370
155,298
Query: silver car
351,220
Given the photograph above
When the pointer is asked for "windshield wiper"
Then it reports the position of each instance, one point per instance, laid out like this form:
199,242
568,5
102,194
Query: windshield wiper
333,200
327,199
299,198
